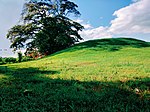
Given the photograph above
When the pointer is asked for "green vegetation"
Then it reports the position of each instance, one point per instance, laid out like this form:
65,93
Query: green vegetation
107,75
8,60
45,27
19,56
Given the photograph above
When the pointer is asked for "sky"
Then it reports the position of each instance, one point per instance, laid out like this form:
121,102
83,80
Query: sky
101,19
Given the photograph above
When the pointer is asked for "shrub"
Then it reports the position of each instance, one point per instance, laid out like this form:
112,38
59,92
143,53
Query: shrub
1,60
9,60
26,58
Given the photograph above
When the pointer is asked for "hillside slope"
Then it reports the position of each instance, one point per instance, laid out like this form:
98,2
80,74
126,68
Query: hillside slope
105,75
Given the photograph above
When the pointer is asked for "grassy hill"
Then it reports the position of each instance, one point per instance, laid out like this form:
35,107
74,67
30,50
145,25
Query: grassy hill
107,75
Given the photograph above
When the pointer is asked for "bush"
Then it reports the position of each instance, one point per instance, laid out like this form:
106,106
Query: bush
1,60
26,58
9,60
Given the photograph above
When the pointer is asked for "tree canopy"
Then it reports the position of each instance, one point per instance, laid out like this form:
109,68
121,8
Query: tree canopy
46,26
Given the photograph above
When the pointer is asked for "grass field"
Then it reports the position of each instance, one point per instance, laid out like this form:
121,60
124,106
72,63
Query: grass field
107,75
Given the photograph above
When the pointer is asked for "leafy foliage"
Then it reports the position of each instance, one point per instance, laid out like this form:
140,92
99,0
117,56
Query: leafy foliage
1,59
46,26
9,60
26,58
19,56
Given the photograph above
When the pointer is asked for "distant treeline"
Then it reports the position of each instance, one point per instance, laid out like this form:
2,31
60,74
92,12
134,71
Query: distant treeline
7,60
3,49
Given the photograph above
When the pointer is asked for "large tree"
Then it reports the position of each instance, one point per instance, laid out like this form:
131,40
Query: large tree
46,26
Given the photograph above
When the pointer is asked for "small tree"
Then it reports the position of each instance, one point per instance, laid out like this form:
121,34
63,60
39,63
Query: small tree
1,59
46,26
19,56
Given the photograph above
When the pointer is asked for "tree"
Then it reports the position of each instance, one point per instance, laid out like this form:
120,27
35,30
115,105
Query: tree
46,26
19,56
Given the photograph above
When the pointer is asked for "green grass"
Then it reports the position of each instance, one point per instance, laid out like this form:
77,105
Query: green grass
107,75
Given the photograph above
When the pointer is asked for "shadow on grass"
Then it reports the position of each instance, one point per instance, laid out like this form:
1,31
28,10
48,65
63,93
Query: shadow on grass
27,91
111,44
25,74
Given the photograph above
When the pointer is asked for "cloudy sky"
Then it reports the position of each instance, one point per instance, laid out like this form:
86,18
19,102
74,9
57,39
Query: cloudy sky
115,18
101,19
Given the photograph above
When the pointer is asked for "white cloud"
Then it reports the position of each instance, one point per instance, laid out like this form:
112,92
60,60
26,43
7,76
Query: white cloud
96,33
83,23
135,0
132,19
90,32
79,21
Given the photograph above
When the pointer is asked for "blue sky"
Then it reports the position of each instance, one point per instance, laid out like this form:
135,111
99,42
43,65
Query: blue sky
101,18
99,12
